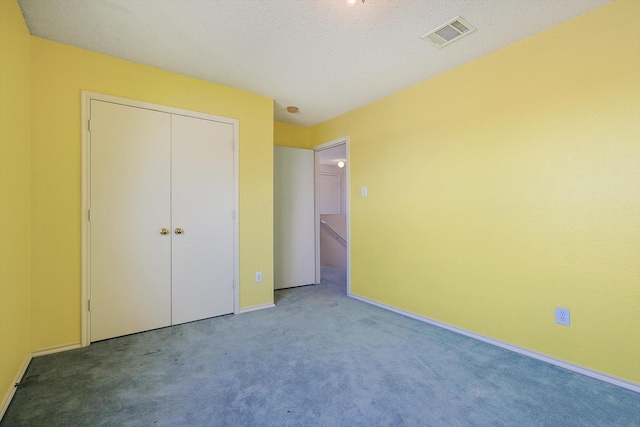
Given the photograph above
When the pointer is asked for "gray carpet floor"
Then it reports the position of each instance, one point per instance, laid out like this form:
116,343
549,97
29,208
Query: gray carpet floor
318,358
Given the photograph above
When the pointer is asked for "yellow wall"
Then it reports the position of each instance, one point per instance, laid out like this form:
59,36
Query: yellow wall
510,186
15,194
60,72
289,135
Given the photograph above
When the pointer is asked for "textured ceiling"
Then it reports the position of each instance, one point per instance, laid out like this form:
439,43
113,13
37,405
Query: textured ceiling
324,56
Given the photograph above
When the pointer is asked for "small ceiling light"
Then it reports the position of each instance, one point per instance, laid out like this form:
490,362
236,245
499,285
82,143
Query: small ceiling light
292,109
352,2
340,164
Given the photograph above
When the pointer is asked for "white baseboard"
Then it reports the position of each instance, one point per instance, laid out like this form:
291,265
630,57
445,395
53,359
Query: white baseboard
12,388
56,349
18,378
557,362
254,308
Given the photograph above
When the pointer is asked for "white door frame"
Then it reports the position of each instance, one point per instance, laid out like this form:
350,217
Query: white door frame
87,97
343,140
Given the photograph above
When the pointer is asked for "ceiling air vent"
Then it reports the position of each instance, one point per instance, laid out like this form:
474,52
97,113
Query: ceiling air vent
449,32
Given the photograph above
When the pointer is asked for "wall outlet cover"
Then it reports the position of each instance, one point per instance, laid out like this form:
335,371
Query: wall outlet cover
563,316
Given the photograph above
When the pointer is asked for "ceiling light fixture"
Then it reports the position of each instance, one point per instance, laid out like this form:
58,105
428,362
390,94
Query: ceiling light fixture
352,2
341,164
292,109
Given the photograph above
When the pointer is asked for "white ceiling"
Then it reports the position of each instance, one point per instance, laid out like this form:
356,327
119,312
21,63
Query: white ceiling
324,56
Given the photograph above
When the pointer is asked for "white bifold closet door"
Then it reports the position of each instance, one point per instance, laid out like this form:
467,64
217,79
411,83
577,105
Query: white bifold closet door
130,203
161,226
202,193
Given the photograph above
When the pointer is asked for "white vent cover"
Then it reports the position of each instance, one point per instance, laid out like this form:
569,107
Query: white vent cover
449,32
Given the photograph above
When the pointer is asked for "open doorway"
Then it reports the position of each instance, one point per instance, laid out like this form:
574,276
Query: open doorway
311,195
332,228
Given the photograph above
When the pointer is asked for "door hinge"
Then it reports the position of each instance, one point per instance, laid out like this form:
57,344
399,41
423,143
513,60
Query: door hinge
89,125
89,305
233,214
89,215
233,283
233,145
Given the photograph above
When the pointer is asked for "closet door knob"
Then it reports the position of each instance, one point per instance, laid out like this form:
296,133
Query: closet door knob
164,231
179,231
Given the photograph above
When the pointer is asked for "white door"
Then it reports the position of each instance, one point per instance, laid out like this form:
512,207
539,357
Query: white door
330,193
202,192
294,217
130,260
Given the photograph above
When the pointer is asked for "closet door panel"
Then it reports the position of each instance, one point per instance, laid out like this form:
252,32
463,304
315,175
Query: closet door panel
130,260
202,194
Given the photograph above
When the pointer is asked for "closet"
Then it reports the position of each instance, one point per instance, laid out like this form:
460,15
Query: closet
160,218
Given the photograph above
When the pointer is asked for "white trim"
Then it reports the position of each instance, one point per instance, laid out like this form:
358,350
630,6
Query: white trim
316,213
56,349
86,196
12,387
347,174
23,368
85,326
332,143
236,218
87,95
525,352
255,308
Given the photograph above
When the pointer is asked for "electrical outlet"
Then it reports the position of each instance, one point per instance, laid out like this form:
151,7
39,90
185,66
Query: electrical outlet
563,316
258,276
